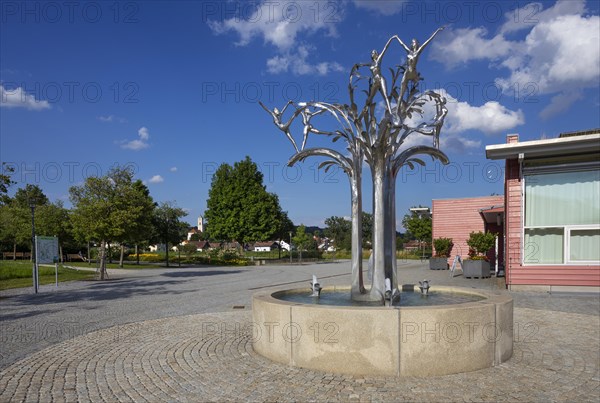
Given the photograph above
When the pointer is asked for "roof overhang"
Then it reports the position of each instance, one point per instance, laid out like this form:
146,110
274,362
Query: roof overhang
493,214
589,143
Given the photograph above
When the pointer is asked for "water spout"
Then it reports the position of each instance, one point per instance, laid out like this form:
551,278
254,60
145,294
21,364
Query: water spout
391,295
424,286
315,287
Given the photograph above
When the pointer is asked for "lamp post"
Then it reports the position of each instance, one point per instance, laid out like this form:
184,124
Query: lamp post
33,259
167,238
290,247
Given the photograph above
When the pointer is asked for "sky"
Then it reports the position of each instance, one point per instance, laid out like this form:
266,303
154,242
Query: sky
171,88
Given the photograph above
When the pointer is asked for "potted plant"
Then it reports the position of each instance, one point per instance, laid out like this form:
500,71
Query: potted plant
477,265
443,247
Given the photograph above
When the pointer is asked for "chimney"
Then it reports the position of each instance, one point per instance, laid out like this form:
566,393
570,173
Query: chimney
512,138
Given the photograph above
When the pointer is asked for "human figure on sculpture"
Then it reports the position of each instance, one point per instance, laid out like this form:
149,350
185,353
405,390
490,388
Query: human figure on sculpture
377,81
308,127
410,69
284,127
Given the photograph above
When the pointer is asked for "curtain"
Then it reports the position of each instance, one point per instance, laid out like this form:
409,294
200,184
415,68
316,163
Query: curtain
585,245
543,246
569,198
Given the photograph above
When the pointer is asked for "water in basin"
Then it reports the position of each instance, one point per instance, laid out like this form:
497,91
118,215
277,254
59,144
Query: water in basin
342,298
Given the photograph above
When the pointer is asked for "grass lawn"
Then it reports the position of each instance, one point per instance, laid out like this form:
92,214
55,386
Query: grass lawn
142,265
19,274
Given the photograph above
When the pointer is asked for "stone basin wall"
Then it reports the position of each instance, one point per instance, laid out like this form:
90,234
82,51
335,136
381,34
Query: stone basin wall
400,341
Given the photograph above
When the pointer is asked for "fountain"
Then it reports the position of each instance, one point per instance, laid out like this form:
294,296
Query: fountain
373,331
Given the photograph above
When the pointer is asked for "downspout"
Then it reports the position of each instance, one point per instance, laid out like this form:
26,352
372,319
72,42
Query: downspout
522,182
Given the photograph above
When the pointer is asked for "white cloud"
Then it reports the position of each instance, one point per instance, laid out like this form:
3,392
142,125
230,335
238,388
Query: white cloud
560,103
111,118
297,63
533,13
384,7
156,179
277,23
138,144
281,24
559,55
18,98
173,169
489,118
143,133
463,45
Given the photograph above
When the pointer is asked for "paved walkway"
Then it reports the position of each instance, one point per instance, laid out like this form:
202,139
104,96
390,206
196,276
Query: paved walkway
208,356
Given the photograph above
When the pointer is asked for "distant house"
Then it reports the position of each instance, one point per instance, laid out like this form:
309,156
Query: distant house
199,229
265,246
411,245
233,246
326,245
206,246
157,248
197,244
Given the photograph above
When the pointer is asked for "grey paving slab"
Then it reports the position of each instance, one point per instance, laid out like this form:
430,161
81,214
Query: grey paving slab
173,335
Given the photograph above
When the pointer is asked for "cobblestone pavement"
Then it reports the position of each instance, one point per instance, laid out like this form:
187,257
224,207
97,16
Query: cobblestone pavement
208,357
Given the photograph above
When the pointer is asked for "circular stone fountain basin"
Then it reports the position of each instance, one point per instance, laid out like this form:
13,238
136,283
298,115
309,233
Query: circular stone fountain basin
425,340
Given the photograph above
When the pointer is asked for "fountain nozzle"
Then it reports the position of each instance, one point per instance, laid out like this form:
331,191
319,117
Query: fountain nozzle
390,295
315,287
424,286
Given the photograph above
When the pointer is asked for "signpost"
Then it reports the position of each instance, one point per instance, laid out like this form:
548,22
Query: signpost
46,252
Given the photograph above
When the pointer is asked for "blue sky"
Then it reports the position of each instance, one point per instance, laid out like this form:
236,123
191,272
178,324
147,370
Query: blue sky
172,89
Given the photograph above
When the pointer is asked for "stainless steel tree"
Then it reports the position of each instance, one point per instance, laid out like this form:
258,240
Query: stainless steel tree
391,113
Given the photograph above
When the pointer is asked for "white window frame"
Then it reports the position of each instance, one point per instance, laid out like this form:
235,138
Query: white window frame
567,245
566,230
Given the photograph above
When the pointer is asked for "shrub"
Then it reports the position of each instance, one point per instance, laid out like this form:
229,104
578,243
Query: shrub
479,244
443,247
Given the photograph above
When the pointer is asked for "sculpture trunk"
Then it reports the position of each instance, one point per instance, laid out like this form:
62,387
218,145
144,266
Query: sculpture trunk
358,288
379,230
390,240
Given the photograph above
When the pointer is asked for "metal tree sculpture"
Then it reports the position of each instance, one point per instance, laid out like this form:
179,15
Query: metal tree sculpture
379,144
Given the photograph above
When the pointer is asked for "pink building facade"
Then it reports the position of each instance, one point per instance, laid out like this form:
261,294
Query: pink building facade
457,218
552,211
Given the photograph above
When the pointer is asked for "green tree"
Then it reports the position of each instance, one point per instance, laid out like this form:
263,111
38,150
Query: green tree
188,249
340,230
138,203
24,197
105,209
5,182
15,226
367,229
239,207
302,240
418,226
285,228
53,219
15,219
168,228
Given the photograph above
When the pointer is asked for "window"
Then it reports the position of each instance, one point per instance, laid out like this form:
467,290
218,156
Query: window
562,217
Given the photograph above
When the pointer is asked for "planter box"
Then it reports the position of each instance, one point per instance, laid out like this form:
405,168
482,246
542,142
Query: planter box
476,268
438,263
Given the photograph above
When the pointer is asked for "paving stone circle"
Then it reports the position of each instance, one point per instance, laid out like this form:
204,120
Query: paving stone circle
209,357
